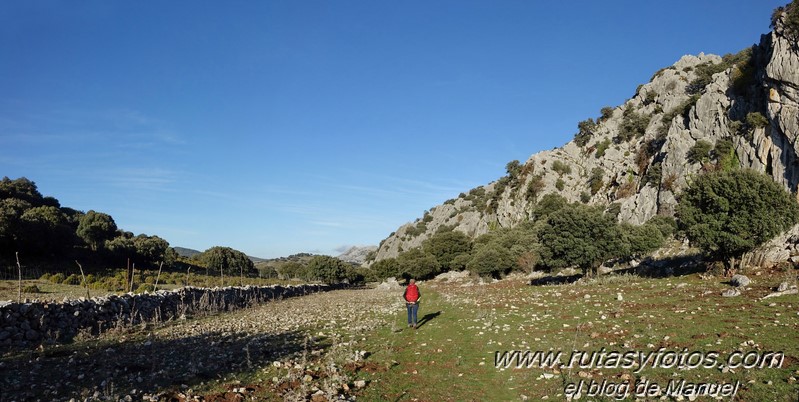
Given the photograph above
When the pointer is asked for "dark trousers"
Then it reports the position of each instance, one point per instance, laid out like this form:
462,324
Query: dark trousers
413,309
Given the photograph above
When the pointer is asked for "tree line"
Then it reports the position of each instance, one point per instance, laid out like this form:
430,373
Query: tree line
42,232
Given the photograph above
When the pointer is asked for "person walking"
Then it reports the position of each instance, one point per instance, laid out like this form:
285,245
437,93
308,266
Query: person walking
412,297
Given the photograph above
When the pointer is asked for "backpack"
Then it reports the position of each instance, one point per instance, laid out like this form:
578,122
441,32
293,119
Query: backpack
412,293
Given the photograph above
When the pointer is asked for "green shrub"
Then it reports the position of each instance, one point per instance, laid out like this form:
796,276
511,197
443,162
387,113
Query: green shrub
490,261
31,289
791,21
653,175
145,287
650,97
607,112
724,153
743,72
595,181
559,184
665,224
585,131
700,152
418,264
632,125
601,148
561,168
756,120
386,268
728,213
57,278
45,277
704,75
327,269
534,187
72,280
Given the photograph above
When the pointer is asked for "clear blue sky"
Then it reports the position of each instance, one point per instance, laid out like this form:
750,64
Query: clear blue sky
277,127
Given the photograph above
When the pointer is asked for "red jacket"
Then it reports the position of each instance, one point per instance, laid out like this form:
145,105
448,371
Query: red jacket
412,293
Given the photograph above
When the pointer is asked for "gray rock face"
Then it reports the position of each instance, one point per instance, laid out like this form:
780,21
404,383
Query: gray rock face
628,163
357,254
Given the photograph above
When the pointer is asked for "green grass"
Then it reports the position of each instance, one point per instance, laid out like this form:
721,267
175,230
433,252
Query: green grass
451,357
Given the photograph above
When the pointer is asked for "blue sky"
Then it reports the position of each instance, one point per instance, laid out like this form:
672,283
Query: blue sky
277,127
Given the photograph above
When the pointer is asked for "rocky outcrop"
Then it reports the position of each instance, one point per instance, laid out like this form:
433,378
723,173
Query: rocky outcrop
357,255
634,158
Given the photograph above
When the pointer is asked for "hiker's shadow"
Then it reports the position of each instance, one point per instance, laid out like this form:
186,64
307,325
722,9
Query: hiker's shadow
427,317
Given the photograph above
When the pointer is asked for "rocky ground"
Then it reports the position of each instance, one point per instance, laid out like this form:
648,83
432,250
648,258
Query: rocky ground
308,347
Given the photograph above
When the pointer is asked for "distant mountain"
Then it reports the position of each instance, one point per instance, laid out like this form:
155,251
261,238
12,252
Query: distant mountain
356,254
188,253
636,158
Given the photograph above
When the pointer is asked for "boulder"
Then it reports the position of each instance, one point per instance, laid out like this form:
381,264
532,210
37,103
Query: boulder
740,281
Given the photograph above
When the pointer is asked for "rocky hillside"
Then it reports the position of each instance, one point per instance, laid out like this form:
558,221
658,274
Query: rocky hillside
635,158
357,255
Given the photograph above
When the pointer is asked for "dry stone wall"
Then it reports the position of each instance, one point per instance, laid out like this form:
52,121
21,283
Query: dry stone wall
31,324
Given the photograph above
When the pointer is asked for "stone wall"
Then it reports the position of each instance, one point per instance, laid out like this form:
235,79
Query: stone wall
31,324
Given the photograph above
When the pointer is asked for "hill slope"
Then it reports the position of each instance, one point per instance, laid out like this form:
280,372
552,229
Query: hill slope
635,158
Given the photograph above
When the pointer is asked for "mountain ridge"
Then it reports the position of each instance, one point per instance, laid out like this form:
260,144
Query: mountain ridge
635,158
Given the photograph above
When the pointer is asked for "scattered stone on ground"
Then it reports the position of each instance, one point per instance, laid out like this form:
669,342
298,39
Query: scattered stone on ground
170,361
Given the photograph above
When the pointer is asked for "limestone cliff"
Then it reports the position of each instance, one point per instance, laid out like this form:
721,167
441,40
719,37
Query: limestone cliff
635,158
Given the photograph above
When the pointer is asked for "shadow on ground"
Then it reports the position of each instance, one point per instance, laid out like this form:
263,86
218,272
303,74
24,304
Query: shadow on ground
649,268
140,367
427,317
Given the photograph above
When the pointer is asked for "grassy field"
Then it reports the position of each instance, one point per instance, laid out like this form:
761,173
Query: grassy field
49,291
451,357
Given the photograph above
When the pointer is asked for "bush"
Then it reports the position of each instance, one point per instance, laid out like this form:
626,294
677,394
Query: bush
561,168
642,239
387,268
700,152
57,278
145,287
728,213
607,112
45,277
534,187
582,236
72,280
31,289
445,246
559,184
293,270
417,264
601,148
653,175
756,120
491,261
632,125
327,269
791,21
585,131
724,152
595,181
666,224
